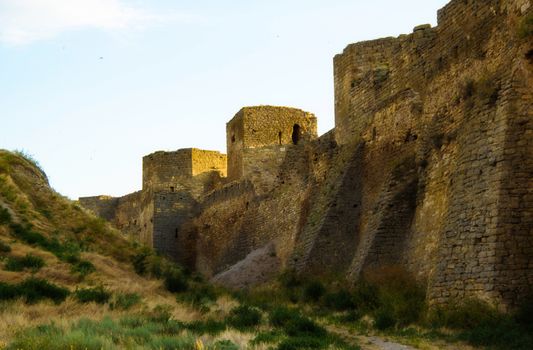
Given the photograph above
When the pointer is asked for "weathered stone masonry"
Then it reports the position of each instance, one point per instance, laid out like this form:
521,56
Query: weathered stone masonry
429,168
173,183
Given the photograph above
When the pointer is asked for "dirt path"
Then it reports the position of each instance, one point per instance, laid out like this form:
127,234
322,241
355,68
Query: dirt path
377,343
366,342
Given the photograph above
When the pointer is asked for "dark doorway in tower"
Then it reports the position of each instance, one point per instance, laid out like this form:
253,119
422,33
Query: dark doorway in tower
295,134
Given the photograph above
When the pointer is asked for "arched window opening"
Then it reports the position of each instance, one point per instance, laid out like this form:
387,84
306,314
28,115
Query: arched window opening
279,137
295,134
176,233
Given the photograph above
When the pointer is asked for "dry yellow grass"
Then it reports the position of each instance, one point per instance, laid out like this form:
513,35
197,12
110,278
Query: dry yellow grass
238,338
117,277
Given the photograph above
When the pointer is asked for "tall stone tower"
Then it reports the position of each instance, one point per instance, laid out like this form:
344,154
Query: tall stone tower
264,129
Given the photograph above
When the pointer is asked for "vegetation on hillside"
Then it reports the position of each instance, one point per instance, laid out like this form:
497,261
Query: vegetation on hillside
391,303
70,281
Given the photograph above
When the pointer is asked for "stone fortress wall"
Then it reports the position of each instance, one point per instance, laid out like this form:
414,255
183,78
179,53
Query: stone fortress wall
173,183
429,168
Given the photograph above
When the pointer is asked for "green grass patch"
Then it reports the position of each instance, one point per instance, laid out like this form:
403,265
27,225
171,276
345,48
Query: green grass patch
147,262
525,27
4,248
66,251
208,326
132,332
29,261
199,295
295,343
175,280
270,337
280,316
224,345
5,217
83,268
340,300
480,324
98,295
313,291
244,318
33,290
125,301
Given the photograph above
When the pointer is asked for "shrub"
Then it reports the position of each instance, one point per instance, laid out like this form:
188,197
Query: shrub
225,345
125,301
27,235
525,27
488,89
289,279
34,290
339,301
351,316
301,343
5,217
63,251
244,317
98,295
524,314
313,291
303,326
466,314
27,262
8,291
261,298
480,324
294,324
384,318
146,262
4,248
365,296
199,296
139,261
398,297
83,267
161,313
280,316
267,337
209,326
468,89
175,281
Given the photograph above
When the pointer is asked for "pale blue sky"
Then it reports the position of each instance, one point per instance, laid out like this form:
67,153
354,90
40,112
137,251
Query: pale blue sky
88,87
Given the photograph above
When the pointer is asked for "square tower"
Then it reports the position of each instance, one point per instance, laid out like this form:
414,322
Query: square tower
261,126
163,171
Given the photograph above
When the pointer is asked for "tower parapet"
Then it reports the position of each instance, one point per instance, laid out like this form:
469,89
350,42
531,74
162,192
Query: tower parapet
262,126
165,171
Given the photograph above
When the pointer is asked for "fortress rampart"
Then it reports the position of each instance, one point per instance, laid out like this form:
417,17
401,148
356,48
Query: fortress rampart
429,168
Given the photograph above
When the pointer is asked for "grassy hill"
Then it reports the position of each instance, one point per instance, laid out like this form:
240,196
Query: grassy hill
64,268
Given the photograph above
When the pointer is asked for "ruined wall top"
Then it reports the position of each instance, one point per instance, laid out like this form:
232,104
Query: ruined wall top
163,170
261,126
370,74
269,125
